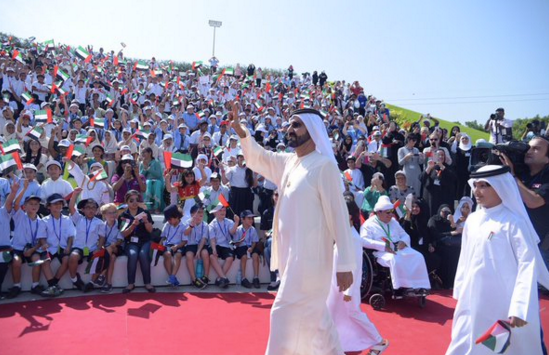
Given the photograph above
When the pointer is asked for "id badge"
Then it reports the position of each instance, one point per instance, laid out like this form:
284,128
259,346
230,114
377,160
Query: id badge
134,239
86,251
436,182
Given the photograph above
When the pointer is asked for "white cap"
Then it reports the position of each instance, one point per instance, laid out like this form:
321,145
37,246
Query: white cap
383,204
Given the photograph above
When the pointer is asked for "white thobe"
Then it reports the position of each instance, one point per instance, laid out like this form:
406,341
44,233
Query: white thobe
311,214
496,278
356,331
407,266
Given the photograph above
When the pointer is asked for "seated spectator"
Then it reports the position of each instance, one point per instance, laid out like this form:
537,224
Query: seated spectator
447,243
174,239
401,190
393,250
245,242
372,194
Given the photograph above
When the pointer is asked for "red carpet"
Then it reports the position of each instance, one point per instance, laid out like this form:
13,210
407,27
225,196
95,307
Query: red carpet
198,323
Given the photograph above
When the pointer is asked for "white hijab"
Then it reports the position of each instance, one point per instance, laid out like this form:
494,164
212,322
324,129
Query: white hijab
507,190
464,200
467,146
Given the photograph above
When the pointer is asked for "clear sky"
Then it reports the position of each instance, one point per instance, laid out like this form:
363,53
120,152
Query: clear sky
458,60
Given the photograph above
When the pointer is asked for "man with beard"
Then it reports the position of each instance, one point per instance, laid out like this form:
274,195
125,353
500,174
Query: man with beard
309,218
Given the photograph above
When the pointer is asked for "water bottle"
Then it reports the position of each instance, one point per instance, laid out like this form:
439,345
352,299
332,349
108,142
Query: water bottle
239,277
199,269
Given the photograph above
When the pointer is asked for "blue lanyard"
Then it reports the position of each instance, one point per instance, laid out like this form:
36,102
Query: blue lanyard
225,234
33,234
173,235
107,234
201,232
53,223
88,230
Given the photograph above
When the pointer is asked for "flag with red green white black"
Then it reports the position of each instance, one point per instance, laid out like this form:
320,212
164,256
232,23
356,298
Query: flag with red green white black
27,97
400,209
140,65
11,146
62,75
100,175
97,263
197,64
228,71
217,151
9,160
97,122
43,116
497,338
109,100
36,132
82,53
157,250
49,44
181,160
17,56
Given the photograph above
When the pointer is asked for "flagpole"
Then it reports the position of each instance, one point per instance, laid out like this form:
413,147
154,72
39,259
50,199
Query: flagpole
214,24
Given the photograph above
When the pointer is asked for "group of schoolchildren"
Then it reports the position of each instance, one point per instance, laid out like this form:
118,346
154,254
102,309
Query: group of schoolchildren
95,235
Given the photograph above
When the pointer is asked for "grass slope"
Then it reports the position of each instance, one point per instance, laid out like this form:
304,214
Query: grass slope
405,115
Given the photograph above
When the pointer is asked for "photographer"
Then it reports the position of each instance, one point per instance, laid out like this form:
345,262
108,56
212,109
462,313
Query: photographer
534,189
500,128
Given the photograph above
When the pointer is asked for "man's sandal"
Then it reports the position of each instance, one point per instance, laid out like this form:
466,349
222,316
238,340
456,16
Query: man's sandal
379,349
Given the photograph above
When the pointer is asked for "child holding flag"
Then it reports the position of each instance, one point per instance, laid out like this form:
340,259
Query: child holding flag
89,237
29,227
245,242
113,243
174,239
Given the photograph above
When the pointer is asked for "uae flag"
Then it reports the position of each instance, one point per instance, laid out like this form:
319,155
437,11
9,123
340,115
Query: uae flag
141,134
27,97
223,201
82,53
156,251
400,209
100,175
109,100
181,160
141,66
17,56
8,160
228,71
36,132
203,196
49,44
84,139
497,338
384,150
197,64
43,116
11,146
217,151
97,122
40,261
97,263
63,76
348,176
78,151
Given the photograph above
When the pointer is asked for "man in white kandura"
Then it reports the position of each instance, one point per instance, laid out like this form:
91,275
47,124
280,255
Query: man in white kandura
383,233
499,268
310,216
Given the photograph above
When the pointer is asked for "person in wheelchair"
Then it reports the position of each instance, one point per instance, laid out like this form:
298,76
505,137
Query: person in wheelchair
393,250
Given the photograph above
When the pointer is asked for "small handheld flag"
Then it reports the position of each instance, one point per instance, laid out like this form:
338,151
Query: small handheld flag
497,338
97,263
156,251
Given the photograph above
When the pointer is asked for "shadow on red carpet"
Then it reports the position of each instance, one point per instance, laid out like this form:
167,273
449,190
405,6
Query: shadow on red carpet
201,323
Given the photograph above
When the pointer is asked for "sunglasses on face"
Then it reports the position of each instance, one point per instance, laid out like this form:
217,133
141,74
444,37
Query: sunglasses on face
389,211
295,125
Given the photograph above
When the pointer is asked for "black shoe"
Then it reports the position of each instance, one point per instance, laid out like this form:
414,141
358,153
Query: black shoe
127,290
273,286
79,284
88,287
13,292
101,281
150,289
37,290
246,283
256,283
223,283
198,284
205,279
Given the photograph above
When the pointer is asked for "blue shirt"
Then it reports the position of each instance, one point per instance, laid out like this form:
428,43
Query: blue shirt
181,141
32,189
174,235
58,232
249,238
111,233
221,232
87,232
190,120
198,232
5,218
27,231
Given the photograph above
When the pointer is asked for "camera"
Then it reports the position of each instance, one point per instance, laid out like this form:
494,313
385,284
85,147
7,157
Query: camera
489,154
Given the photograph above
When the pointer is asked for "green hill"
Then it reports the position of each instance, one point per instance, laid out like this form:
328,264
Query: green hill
403,115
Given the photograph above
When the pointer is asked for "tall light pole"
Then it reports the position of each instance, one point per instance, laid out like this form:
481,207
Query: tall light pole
214,24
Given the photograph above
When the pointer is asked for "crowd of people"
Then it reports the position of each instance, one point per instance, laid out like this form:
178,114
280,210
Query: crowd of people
93,144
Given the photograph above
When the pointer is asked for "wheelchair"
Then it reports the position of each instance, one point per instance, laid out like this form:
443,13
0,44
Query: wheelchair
376,283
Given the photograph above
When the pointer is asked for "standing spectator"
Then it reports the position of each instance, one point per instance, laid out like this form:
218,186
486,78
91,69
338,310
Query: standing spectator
241,180
463,158
127,178
410,158
152,171
439,182
322,79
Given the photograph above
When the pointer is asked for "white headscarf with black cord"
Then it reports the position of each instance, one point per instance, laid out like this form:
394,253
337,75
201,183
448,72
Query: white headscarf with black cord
506,187
314,122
